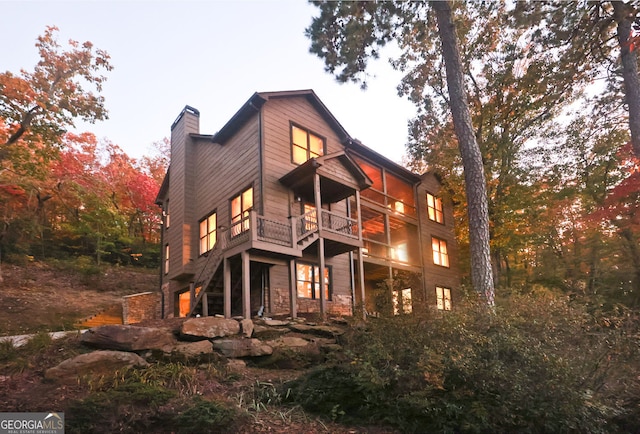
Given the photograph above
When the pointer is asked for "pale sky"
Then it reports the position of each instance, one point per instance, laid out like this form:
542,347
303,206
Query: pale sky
211,55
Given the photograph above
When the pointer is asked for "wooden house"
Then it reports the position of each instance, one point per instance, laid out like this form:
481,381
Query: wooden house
282,212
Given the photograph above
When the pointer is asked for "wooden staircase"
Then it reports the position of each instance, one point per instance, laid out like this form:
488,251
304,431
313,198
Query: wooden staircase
110,315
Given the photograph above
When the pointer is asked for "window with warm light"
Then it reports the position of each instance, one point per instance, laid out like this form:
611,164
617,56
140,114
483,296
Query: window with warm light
434,207
165,213
440,253
305,145
443,298
308,281
241,205
402,301
208,233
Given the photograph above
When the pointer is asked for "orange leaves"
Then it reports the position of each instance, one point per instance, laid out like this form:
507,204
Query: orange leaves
44,103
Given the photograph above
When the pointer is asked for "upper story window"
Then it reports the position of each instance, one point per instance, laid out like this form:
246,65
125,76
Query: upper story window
308,281
434,207
388,190
440,253
241,205
443,298
166,215
208,233
305,145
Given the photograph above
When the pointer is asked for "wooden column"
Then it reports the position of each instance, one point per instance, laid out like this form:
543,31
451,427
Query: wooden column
293,290
246,284
318,201
192,295
205,304
227,287
361,281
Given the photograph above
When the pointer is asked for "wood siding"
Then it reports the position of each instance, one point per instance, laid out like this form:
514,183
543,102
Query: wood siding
436,275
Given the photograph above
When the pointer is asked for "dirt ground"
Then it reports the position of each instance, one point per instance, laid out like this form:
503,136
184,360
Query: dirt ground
38,296
41,297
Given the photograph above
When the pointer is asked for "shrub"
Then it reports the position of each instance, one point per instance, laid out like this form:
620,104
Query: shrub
536,364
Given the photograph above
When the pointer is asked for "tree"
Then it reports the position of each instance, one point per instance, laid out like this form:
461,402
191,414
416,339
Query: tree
475,184
37,107
594,33
347,34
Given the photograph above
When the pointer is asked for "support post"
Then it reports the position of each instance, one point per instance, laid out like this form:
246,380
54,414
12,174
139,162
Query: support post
246,284
318,203
361,282
227,287
293,290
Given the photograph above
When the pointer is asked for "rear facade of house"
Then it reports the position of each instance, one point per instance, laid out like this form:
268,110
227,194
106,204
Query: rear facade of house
281,212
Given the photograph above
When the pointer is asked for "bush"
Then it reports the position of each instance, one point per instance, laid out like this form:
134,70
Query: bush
535,365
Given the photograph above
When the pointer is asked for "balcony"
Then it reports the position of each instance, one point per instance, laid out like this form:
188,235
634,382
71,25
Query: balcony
291,237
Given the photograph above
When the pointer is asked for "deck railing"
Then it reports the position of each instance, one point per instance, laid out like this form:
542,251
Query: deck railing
339,224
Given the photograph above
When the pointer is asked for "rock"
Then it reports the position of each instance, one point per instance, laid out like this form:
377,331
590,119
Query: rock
247,327
93,364
318,330
275,323
236,365
128,338
193,349
264,332
235,348
209,327
288,342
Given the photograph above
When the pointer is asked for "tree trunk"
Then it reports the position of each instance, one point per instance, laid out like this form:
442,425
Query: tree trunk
624,14
475,184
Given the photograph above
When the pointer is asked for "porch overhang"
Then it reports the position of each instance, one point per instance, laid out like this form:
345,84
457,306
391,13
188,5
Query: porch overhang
340,177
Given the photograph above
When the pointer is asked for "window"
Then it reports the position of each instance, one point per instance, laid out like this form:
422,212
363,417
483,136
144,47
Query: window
208,234
402,301
440,255
305,145
308,281
166,259
165,213
434,206
240,207
443,298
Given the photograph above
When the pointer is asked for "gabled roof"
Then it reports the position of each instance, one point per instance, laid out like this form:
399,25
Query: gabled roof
258,99
335,188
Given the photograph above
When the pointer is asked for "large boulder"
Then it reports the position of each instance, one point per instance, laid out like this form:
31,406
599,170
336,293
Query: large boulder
318,330
209,327
236,348
128,338
192,349
93,364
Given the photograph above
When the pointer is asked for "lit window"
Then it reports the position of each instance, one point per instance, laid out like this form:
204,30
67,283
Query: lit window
402,301
440,254
208,234
434,205
308,281
166,215
166,259
305,145
443,298
241,205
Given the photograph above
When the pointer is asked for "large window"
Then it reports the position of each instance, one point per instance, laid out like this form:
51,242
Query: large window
443,298
434,207
305,145
166,215
240,207
308,281
208,233
440,253
388,190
